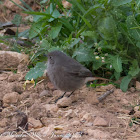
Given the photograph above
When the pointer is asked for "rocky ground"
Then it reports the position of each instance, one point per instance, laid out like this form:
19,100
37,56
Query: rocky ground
31,113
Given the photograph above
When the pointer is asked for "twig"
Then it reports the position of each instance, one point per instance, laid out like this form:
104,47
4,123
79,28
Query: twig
102,97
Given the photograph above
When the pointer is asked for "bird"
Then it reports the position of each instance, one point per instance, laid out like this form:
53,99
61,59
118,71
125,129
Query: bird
66,73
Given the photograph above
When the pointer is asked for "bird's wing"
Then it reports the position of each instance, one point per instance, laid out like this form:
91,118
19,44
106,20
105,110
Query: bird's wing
77,70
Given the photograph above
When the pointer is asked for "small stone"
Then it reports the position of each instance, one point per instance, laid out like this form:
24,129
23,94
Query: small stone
89,124
45,93
76,135
3,122
51,107
70,114
137,114
137,108
132,89
33,123
2,130
57,93
13,77
124,101
64,102
75,123
137,85
98,134
100,122
45,121
50,86
114,134
10,98
87,117
92,98
47,131
18,88
118,91
3,77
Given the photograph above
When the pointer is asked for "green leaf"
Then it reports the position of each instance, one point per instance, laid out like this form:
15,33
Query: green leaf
55,31
120,2
66,23
36,72
107,28
77,4
134,69
76,41
133,27
117,63
17,20
56,14
85,20
54,48
117,75
83,55
45,44
92,9
97,64
91,34
124,83
35,29
25,33
138,44
39,13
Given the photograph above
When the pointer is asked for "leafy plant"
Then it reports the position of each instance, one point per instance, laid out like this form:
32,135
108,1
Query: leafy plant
102,35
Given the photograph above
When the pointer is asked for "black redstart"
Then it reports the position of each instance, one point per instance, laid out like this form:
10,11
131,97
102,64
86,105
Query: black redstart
66,73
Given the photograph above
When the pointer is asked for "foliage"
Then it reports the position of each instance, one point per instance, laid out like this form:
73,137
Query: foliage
87,29
36,72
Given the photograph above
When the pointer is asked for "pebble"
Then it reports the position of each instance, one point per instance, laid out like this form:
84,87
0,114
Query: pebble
87,117
100,122
70,114
50,86
98,134
45,93
137,85
51,107
75,123
10,98
13,77
33,123
64,102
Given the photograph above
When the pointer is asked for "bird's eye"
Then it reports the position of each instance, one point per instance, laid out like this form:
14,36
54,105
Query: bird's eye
50,57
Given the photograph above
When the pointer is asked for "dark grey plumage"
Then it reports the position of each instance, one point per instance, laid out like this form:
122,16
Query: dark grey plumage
66,73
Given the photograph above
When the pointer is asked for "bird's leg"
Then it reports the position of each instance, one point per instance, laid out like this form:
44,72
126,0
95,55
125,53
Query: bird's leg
70,94
60,97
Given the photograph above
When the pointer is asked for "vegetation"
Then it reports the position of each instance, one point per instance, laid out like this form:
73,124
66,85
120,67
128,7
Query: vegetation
103,35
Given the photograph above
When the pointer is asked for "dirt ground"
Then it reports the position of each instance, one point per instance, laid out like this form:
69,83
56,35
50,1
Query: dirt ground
30,113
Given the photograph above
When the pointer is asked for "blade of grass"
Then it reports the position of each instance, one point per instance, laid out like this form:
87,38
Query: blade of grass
66,23
38,13
26,5
77,4
19,5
